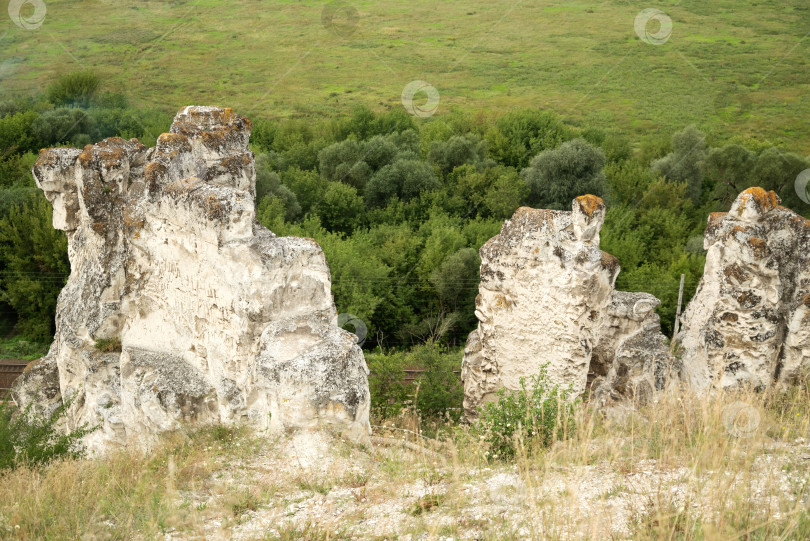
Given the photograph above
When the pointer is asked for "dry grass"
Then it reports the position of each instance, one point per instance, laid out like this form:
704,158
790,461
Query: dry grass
671,470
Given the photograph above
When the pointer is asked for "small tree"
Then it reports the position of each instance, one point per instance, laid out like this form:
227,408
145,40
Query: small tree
34,258
405,178
557,176
686,161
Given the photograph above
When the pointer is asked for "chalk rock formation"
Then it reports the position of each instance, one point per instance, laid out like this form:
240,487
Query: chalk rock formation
547,296
180,307
749,322
631,360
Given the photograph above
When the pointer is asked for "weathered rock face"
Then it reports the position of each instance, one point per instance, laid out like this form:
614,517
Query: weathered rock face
218,320
547,296
631,360
749,322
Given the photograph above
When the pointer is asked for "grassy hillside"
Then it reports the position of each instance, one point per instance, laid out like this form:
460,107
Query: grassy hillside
730,70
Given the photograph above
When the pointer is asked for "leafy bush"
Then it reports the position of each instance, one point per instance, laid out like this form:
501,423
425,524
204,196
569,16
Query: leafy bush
524,133
557,176
27,438
540,415
74,88
405,178
686,161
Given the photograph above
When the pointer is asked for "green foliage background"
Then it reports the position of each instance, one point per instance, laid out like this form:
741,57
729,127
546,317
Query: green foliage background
401,205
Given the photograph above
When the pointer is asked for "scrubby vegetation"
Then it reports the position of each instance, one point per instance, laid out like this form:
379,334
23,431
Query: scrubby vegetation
676,470
537,415
401,205
31,439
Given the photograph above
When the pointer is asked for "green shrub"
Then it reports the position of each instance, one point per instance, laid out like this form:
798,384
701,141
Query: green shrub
539,415
556,176
74,88
27,438
389,393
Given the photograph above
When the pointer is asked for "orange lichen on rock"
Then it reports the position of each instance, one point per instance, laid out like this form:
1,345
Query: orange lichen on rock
765,200
589,204
610,262
47,156
759,246
172,139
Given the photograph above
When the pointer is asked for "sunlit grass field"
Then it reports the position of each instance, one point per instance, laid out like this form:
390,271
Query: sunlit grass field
733,68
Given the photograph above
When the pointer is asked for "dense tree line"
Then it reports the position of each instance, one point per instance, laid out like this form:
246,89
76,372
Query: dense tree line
402,206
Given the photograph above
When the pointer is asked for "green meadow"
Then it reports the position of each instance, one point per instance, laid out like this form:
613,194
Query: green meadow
732,68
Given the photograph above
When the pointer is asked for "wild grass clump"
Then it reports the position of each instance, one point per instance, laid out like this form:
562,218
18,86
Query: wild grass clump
74,88
539,414
108,345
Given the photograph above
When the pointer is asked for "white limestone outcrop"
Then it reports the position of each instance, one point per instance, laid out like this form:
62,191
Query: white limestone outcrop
547,296
180,307
748,324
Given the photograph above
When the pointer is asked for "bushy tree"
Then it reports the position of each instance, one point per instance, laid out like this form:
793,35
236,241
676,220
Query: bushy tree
456,283
557,176
15,133
458,150
627,181
269,186
506,193
686,161
405,179
380,151
341,208
729,169
34,264
521,134
336,161
306,185
61,125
